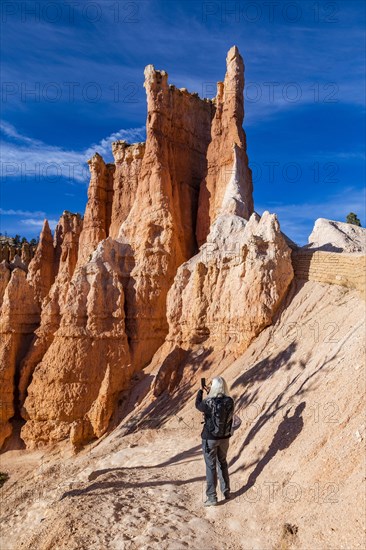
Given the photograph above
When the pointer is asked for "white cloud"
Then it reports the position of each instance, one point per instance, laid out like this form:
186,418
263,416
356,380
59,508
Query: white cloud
10,131
346,155
11,212
104,147
31,222
36,159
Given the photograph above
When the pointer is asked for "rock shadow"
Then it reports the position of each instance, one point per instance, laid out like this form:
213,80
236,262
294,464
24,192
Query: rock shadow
170,392
179,458
266,367
287,431
107,486
329,247
263,370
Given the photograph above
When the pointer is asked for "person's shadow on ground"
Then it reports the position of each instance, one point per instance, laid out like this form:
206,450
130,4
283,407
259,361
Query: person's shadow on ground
287,432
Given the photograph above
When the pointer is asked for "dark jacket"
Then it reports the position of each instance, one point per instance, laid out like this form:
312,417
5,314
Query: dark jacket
204,407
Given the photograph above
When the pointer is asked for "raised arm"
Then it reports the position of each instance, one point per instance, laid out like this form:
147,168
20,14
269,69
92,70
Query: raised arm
200,404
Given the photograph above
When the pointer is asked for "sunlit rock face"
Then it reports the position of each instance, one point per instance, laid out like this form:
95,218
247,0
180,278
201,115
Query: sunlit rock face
98,289
226,294
88,362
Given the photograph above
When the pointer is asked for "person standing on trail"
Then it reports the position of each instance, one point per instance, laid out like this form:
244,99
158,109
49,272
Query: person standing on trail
218,409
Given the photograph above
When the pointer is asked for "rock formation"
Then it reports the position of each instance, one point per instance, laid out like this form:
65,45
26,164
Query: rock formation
4,279
91,350
63,253
226,294
159,232
98,210
9,249
19,317
42,268
127,160
332,236
226,156
98,291
26,295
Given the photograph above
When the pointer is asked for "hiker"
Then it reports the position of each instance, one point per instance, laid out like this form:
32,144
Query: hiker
218,409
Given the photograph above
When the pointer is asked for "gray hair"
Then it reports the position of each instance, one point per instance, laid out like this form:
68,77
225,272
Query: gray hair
218,386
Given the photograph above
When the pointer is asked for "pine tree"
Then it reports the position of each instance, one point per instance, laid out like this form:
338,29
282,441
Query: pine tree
353,219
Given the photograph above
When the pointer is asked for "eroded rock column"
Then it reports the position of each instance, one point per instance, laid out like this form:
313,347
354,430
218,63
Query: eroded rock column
226,156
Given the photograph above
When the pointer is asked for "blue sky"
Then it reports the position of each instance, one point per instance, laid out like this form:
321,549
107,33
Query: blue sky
72,82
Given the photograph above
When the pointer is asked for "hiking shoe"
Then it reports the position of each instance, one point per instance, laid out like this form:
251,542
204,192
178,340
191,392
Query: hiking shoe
227,495
210,502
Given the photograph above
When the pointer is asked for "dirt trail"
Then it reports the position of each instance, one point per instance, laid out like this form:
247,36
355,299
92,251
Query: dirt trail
147,494
296,462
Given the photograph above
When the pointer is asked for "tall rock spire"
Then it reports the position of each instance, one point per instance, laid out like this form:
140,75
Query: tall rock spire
226,156
127,160
41,272
98,209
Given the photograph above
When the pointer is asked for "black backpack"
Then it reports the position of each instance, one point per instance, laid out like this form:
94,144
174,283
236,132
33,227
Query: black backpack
221,419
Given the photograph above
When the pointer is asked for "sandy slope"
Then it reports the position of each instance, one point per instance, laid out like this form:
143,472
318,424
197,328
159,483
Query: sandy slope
297,458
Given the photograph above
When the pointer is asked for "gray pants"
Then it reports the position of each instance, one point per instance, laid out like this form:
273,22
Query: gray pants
214,452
